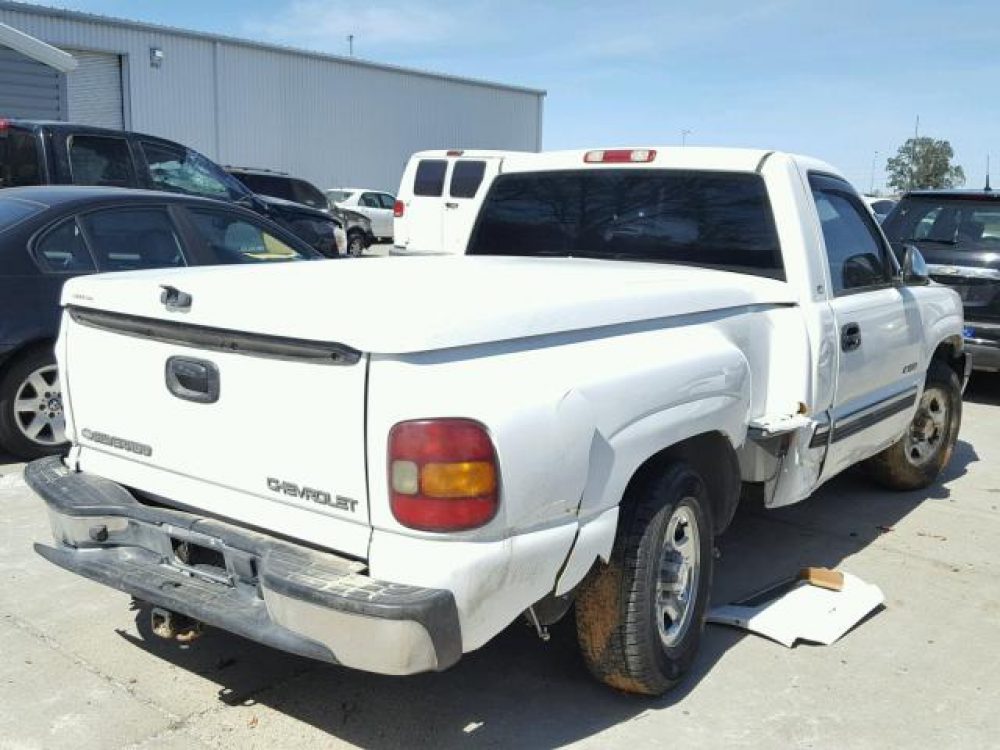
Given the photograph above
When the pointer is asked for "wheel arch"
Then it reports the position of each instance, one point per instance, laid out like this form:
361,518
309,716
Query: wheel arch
712,455
21,350
950,351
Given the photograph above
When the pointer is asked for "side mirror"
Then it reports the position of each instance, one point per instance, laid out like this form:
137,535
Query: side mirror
915,271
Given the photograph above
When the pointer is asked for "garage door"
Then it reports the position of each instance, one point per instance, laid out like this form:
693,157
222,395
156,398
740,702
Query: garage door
29,89
95,90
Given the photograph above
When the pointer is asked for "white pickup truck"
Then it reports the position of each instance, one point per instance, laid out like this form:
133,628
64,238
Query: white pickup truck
563,417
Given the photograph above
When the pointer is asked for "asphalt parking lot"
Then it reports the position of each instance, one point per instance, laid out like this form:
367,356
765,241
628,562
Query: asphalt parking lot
79,669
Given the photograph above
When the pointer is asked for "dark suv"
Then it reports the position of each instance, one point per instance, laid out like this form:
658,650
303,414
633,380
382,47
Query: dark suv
357,226
958,232
62,153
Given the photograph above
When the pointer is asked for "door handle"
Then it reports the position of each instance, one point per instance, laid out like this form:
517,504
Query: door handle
850,337
451,205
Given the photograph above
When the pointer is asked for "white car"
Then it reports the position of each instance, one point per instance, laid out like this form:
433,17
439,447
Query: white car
376,205
880,207
565,423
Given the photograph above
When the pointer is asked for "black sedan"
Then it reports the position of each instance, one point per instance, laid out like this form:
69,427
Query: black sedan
50,234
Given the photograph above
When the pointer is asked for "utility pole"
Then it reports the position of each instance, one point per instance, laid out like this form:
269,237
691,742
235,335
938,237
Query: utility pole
684,136
871,188
350,45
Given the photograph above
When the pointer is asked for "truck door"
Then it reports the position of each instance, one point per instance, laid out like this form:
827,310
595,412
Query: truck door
879,332
468,180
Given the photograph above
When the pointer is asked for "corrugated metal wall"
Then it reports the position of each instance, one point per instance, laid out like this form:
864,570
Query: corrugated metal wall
332,122
28,88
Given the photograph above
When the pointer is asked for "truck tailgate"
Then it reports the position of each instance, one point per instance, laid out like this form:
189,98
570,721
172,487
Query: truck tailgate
265,431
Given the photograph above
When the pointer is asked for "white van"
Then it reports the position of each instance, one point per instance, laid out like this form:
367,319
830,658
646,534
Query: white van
439,198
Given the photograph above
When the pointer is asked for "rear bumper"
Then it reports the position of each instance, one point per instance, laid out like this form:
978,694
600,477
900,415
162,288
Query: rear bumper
288,596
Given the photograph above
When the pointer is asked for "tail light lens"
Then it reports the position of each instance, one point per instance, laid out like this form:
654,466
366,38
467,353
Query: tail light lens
398,208
443,474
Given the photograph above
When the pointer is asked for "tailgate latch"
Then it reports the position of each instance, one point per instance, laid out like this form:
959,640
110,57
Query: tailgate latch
174,299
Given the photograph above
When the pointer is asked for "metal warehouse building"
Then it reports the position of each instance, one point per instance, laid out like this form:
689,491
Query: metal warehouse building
333,120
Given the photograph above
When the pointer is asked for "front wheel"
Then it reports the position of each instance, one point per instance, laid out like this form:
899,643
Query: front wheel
918,457
640,617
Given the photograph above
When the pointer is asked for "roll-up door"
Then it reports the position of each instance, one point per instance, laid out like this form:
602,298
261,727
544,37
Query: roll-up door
95,90
29,89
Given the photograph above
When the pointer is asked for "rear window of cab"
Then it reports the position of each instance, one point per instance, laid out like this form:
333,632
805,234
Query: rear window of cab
719,220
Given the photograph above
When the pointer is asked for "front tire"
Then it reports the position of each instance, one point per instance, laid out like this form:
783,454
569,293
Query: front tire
32,424
918,457
640,617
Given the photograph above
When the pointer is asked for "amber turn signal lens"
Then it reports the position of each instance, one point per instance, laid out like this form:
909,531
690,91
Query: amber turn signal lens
464,479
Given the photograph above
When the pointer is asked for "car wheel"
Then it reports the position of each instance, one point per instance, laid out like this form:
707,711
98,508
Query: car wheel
918,457
356,244
640,617
32,423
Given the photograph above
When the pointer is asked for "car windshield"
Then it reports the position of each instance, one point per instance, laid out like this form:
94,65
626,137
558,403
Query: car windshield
14,211
969,224
711,219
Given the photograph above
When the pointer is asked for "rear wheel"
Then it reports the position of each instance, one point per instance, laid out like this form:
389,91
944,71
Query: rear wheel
640,617
918,457
356,243
31,414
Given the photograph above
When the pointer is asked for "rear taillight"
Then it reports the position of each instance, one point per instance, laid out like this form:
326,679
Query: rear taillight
620,156
4,123
398,209
443,474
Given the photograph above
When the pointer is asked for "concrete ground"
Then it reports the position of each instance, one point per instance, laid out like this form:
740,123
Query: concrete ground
78,668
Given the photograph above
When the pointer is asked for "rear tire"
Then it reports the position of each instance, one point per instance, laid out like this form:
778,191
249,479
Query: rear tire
31,416
356,243
640,617
918,457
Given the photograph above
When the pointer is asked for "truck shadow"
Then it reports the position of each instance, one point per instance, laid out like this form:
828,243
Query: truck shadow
984,388
519,691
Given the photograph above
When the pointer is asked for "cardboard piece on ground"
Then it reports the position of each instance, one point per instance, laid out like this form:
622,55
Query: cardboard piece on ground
805,612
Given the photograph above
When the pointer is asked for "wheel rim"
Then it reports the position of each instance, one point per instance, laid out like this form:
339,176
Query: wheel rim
38,411
680,570
355,246
928,431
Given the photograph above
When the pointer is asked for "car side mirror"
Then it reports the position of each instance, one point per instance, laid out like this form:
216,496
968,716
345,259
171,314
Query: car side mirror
915,272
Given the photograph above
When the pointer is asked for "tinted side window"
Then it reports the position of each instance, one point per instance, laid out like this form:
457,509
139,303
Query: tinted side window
62,250
430,177
713,219
232,239
369,200
466,177
125,239
388,201
180,170
100,160
18,159
855,253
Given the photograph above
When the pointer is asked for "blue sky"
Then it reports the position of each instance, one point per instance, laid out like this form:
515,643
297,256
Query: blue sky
836,80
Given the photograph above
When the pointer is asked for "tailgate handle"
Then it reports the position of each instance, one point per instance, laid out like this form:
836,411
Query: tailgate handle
193,379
